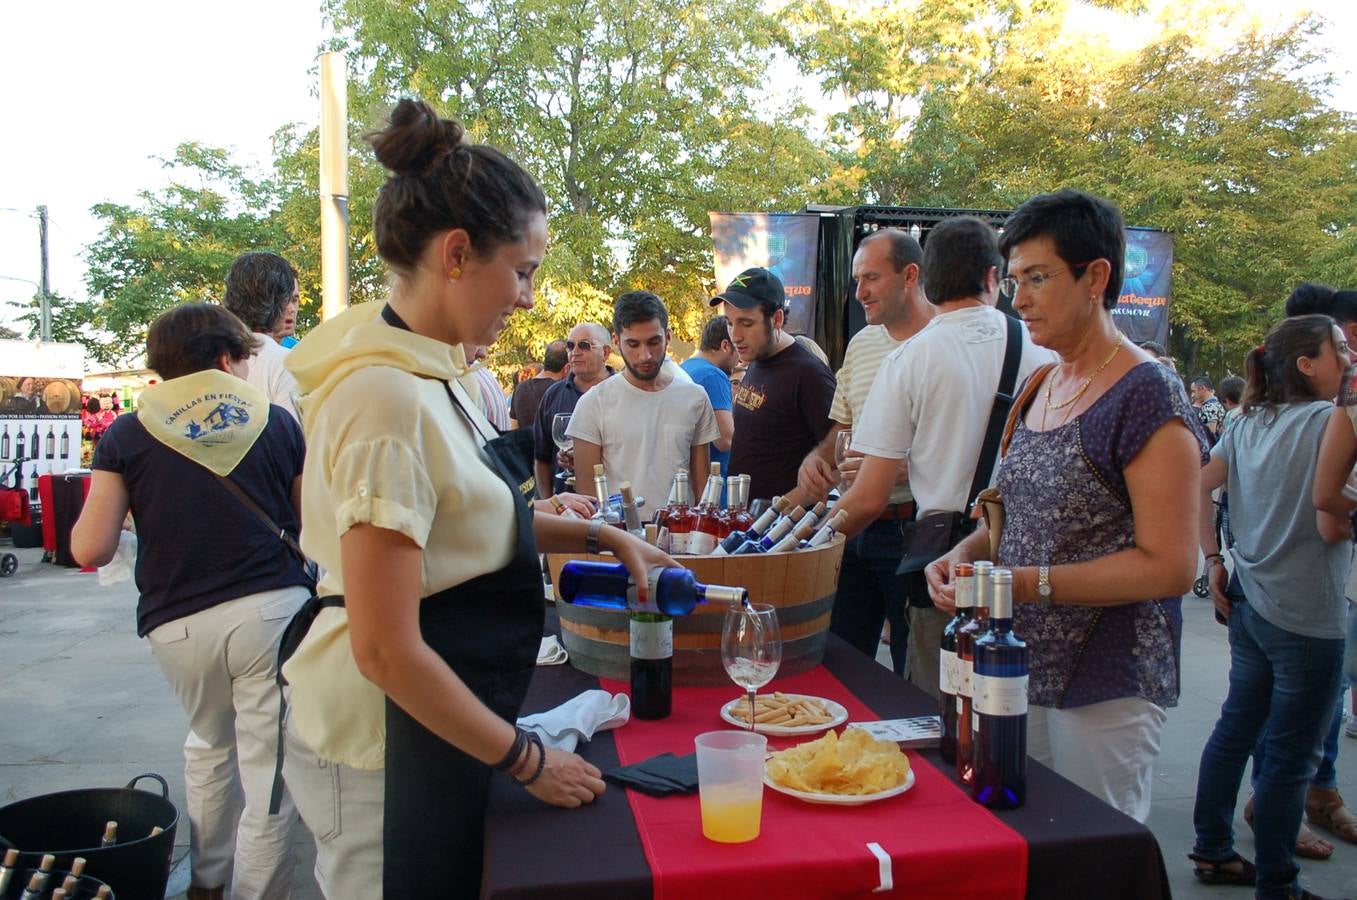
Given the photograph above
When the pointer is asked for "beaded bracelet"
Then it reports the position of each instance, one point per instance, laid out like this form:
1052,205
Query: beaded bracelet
541,760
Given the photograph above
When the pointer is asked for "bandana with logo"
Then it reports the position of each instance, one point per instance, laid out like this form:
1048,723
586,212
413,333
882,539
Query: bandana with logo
211,417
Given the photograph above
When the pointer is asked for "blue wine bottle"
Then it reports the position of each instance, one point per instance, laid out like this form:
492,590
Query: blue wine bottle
672,591
999,705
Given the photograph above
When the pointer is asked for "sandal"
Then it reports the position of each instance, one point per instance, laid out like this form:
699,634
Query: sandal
1325,808
1308,844
1212,871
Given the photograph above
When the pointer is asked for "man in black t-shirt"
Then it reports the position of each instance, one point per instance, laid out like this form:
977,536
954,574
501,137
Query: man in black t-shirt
781,409
528,394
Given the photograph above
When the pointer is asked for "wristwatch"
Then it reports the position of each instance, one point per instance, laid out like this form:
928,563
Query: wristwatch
1044,585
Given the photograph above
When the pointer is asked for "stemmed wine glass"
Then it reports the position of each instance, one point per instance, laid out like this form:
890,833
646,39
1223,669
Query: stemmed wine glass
560,423
842,442
751,647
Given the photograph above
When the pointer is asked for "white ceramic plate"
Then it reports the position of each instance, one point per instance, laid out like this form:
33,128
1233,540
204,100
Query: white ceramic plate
840,799
838,714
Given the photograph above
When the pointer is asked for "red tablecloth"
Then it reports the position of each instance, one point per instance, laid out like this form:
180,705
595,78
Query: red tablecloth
941,844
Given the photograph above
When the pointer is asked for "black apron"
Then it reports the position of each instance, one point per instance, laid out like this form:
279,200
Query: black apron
488,631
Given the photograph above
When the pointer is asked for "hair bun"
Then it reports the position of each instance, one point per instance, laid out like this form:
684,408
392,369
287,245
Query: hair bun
416,139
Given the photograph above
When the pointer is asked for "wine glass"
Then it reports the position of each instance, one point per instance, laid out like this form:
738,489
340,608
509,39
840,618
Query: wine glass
751,647
559,425
842,442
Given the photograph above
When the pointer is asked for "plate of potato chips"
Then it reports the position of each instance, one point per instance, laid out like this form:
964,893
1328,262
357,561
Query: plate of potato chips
847,770
786,714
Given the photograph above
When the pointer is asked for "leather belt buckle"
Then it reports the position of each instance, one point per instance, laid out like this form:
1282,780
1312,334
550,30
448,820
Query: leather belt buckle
896,512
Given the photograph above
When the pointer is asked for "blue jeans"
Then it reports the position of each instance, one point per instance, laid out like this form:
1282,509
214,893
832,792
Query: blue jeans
869,593
1283,687
1327,776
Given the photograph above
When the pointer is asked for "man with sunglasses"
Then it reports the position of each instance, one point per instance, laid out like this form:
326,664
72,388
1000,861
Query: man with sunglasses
587,351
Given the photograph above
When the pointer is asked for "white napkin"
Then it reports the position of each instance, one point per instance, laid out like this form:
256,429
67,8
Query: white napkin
578,718
124,561
551,653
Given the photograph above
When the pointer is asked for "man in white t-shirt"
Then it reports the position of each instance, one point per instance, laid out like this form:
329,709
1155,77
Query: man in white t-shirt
647,424
886,267
262,291
931,401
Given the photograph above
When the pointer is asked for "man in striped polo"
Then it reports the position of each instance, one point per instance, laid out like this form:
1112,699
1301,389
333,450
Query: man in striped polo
886,267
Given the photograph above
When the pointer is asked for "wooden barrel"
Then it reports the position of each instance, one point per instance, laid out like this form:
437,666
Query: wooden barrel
800,584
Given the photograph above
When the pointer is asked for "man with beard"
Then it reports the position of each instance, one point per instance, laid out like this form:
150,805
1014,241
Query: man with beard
890,289
647,424
782,405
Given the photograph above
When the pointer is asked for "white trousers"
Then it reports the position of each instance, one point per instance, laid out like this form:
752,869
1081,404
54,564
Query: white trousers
1107,748
222,664
343,808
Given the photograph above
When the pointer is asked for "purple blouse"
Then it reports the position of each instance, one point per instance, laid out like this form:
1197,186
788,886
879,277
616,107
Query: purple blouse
1065,501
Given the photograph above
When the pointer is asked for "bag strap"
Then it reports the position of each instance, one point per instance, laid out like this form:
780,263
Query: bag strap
1020,405
998,414
288,540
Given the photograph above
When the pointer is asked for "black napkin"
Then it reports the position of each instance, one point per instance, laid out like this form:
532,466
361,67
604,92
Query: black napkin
658,776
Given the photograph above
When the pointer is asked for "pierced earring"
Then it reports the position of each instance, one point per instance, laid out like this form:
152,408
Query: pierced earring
454,273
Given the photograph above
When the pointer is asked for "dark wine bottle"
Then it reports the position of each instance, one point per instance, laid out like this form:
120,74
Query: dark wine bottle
652,665
65,443
965,649
51,443
21,445
7,869
33,444
964,573
1000,705
36,885
110,834
33,485
4,443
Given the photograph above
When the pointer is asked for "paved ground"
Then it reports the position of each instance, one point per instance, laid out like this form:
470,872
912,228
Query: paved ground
84,705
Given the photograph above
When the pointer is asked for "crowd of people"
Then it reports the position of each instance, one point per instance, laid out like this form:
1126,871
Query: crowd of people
406,662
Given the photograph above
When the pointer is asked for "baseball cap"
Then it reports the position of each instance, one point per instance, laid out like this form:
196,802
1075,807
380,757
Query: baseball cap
756,287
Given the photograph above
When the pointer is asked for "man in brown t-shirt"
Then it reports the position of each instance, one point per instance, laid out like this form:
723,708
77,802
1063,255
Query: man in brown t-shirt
781,408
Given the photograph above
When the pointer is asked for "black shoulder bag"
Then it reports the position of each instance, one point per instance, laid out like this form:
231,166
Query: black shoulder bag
932,536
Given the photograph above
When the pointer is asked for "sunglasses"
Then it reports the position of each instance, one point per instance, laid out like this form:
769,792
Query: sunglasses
585,346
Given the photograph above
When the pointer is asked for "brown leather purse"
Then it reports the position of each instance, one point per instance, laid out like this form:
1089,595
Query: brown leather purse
989,503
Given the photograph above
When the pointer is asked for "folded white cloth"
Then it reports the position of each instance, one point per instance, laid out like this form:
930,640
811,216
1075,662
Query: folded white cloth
578,718
551,653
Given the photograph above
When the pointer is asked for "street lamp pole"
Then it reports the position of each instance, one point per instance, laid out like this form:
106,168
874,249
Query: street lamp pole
44,299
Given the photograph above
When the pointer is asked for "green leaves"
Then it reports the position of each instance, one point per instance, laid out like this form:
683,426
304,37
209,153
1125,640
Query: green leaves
639,117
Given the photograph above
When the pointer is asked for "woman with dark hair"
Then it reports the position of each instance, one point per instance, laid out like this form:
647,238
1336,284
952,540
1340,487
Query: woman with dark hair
217,584
1100,490
1284,606
405,690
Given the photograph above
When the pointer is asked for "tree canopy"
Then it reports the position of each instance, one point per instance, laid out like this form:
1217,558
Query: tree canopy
639,117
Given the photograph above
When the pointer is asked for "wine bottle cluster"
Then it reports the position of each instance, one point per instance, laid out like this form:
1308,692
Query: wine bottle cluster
34,446
983,688
708,529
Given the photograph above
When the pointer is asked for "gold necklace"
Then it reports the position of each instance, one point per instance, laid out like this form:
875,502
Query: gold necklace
1087,381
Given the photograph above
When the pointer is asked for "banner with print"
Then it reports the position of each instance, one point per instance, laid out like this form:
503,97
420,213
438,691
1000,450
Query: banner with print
786,244
40,404
1142,311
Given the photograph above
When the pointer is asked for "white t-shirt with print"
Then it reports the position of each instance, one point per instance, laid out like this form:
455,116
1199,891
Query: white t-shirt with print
645,435
931,400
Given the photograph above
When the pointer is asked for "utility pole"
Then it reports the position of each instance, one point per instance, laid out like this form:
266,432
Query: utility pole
44,299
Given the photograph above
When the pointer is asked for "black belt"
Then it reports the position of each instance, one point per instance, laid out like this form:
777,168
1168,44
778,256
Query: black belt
896,512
